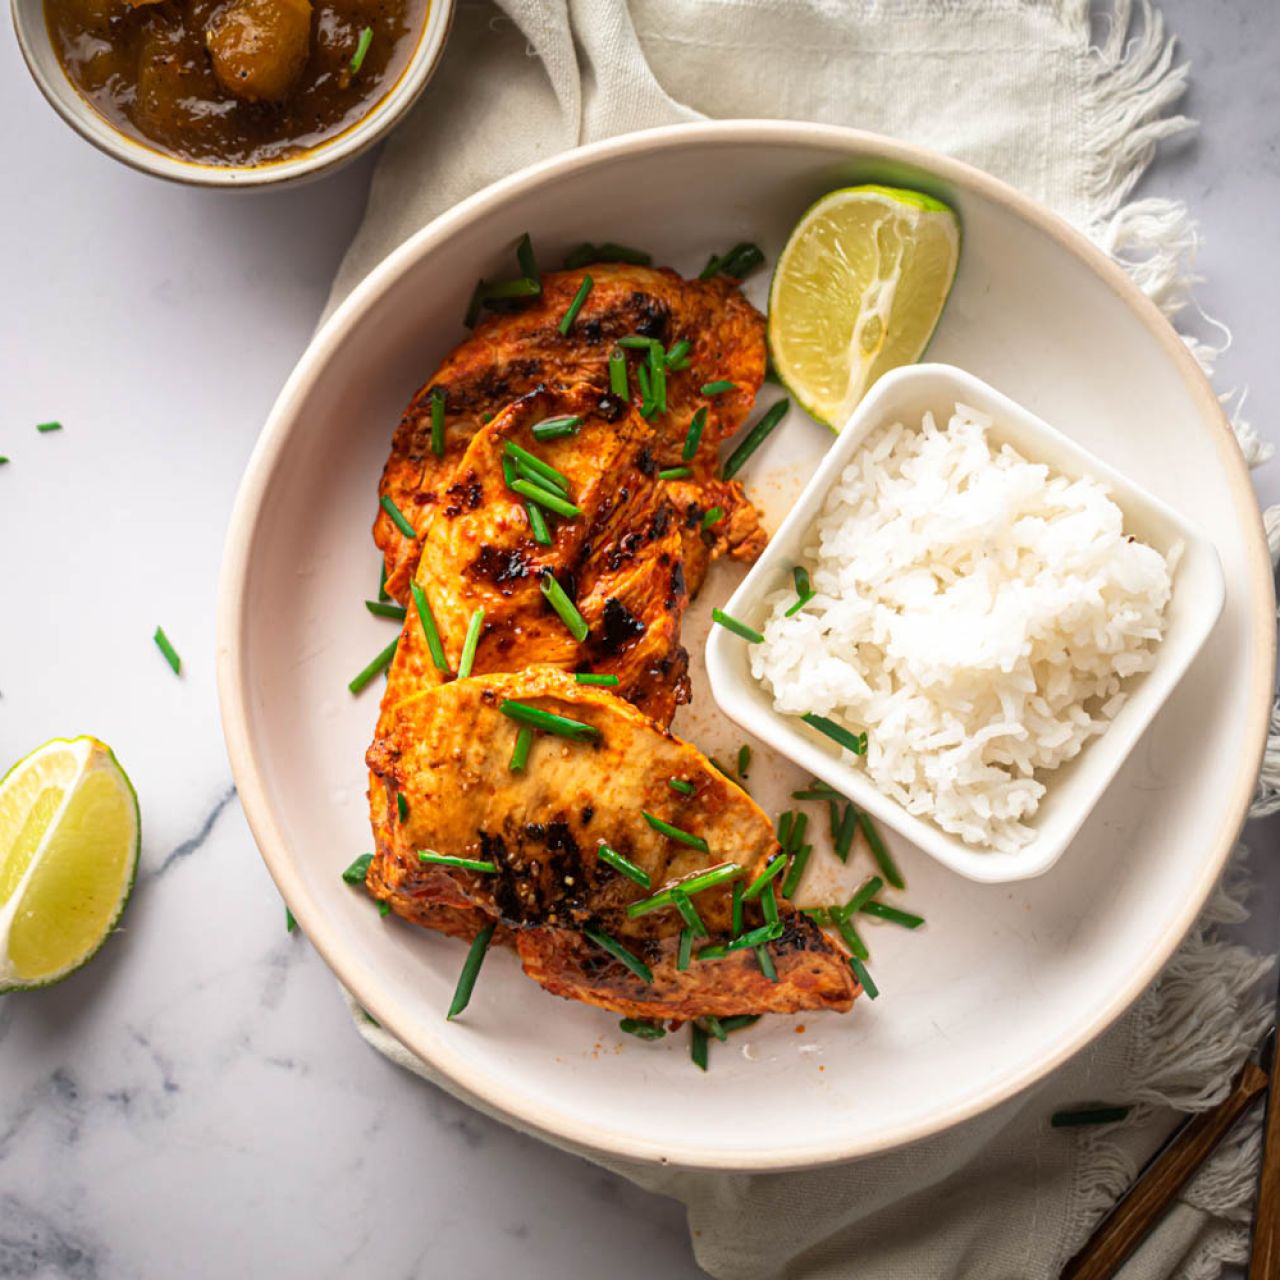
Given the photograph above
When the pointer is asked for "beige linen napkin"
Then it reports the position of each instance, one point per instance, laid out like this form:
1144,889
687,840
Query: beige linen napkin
1019,88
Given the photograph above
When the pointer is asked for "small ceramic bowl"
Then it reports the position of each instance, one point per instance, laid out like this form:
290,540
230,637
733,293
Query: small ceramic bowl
63,96
1074,789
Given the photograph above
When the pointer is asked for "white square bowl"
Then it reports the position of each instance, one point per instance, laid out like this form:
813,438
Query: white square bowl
1198,594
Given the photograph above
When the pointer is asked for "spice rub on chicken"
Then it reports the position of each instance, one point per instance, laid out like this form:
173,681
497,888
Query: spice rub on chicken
710,334
614,887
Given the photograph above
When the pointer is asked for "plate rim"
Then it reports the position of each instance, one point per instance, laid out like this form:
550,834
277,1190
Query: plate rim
552,1121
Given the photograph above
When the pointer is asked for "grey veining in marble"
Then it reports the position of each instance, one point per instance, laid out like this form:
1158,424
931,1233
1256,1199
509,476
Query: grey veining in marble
194,1103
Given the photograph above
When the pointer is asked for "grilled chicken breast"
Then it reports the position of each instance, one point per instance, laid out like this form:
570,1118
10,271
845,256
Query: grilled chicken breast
447,751
510,355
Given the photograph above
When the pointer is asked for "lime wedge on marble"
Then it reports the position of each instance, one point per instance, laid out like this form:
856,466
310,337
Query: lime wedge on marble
858,291
69,840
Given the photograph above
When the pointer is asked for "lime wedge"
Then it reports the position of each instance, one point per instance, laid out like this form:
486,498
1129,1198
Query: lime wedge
858,291
69,840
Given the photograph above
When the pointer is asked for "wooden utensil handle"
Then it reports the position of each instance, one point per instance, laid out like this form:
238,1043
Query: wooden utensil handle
1121,1233
1264,1261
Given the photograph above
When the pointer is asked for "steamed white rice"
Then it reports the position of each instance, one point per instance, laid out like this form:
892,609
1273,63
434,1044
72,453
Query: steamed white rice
975,613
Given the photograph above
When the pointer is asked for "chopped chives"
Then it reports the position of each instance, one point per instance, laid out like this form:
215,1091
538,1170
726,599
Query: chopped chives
470,971
712,1024
799,860
744,760
524,471
765,961
641,1029
429,629
402,806
536,465
358,870
510,290
380,609
694,436
380,663
620,953
556,428
595,677
397,516
1088,1115
48,426
688,913
648,405
624,865
718,387
755,937
698,1046
468,658
755,438
713,953
618,374
290,924
548,721
769,906
544,498
474,305
483,867
635,342
844,836
797,832
713,516
852,939
676,833
688,887
816,791
730,623
566,321
658,376
882,911
737,1021
170,653
520,752
784,828
863,977
678,352
738,262
833,819
854,742
804,590
675,473
685,953
884,860
537,524
720,768
559,600
437,421
524,257
864,893
586,253
384,909
509,472
680,785
362,48
773,869
737,917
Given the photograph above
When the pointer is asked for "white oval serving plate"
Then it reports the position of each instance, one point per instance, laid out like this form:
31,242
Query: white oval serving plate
1003,982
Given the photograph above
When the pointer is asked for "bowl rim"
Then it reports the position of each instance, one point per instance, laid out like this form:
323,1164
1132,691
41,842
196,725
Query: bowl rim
324,157
881,404
551,1121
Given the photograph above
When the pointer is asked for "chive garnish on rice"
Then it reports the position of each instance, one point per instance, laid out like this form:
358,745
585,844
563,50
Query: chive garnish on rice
804,590
625,866
730,623
480,865
618,374
470,971
397,516
437,421
559,600
520,752
429,629
566,321
676,833
855,742
548,721
380,663
694,436
596,677
556,428
358,870
755,438
620,953
170,653
468,658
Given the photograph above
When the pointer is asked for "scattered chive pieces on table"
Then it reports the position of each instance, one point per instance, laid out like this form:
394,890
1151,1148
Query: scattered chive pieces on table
557,598
737,909
698,1045
548,721
860,972
784,828
463,864
382,609
468,658
618,374
774,868
643,1030
537,524
470,971
437,421
48,426
765,961
429,630
744,760
1088,1115
362,48
852,939
170,653
380,663
755,438
545,498
674,473
685,952
358,870
566,321
883,911
797,832
844,836
883,859
620,953
556,428
524,258
624,865
397,516
596,677
680,785
737,1021
864,893
520,753
553,478
730,623
799,861
713,516
718,387
402,806
290,924
694,437
816,791
675,833
856,743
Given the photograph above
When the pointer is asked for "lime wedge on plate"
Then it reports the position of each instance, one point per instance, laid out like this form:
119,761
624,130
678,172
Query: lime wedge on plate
69,839
858,291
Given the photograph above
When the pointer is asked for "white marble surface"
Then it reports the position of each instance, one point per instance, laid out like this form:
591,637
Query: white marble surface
195,1102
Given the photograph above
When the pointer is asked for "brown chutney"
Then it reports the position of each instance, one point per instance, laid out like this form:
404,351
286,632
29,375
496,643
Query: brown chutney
234,82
